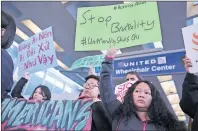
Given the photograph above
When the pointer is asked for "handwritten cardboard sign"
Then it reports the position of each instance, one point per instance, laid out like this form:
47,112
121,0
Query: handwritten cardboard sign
37,53
190,36
126,25
47,115
95,61
120,90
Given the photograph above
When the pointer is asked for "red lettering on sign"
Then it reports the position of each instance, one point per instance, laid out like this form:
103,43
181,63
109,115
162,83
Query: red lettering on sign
44,35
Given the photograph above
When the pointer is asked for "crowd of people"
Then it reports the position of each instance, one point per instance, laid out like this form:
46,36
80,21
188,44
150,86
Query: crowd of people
142,108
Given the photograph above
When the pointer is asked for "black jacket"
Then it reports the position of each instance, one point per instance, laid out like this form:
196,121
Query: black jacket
16,92
100,120
189,101
7,68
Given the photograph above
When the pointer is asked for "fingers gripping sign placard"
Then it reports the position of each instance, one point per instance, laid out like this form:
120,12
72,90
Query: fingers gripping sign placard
126,25
37,53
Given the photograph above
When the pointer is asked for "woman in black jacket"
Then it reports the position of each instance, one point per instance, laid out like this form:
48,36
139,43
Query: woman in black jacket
41,92
189,101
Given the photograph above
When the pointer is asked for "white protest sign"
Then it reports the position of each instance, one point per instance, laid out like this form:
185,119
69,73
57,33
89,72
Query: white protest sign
120,90
37,53
190,36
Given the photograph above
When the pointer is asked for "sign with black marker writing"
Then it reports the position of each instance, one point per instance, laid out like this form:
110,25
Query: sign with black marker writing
126,25
47,115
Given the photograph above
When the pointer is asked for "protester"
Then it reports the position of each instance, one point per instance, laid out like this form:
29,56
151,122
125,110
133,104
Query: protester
189,101
8,30
133,76
41,92
100,121
143,108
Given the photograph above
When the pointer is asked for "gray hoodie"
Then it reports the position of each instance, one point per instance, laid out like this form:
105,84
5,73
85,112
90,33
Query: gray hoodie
111,104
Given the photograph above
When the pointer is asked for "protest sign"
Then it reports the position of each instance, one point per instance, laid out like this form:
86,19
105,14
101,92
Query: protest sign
95,61
37,53
190,36
47,115
126,25
120,90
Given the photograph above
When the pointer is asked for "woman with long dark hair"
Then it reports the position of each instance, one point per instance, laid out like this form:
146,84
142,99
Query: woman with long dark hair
41,92
142,109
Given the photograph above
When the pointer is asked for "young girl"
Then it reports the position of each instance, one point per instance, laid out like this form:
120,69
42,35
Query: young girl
41,92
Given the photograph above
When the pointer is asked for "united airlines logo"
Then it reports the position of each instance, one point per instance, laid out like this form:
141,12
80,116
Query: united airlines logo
161,60
158,60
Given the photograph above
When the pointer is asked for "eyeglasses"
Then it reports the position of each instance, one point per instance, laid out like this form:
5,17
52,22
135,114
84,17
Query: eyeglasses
91,85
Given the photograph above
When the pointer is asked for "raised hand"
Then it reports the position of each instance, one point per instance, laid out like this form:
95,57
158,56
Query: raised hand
26,75
112,52
187,63
91,71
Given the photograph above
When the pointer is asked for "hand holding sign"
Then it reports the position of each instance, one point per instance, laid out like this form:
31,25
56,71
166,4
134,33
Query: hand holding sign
190,35
187,63
26,75
91,71
112,52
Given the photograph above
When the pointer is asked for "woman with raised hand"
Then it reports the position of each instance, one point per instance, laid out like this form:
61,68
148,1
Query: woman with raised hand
41,92
143,108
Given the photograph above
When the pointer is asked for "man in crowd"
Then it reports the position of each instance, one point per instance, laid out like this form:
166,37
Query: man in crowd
100,121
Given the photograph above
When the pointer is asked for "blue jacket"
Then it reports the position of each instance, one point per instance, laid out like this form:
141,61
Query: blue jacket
111,104
6,74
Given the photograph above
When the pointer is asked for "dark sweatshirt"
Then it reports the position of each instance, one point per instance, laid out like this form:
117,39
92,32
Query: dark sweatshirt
100,120
189,101
16,92
111,104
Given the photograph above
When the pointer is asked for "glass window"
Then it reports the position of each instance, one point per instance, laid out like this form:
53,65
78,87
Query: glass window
54,81
35,80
